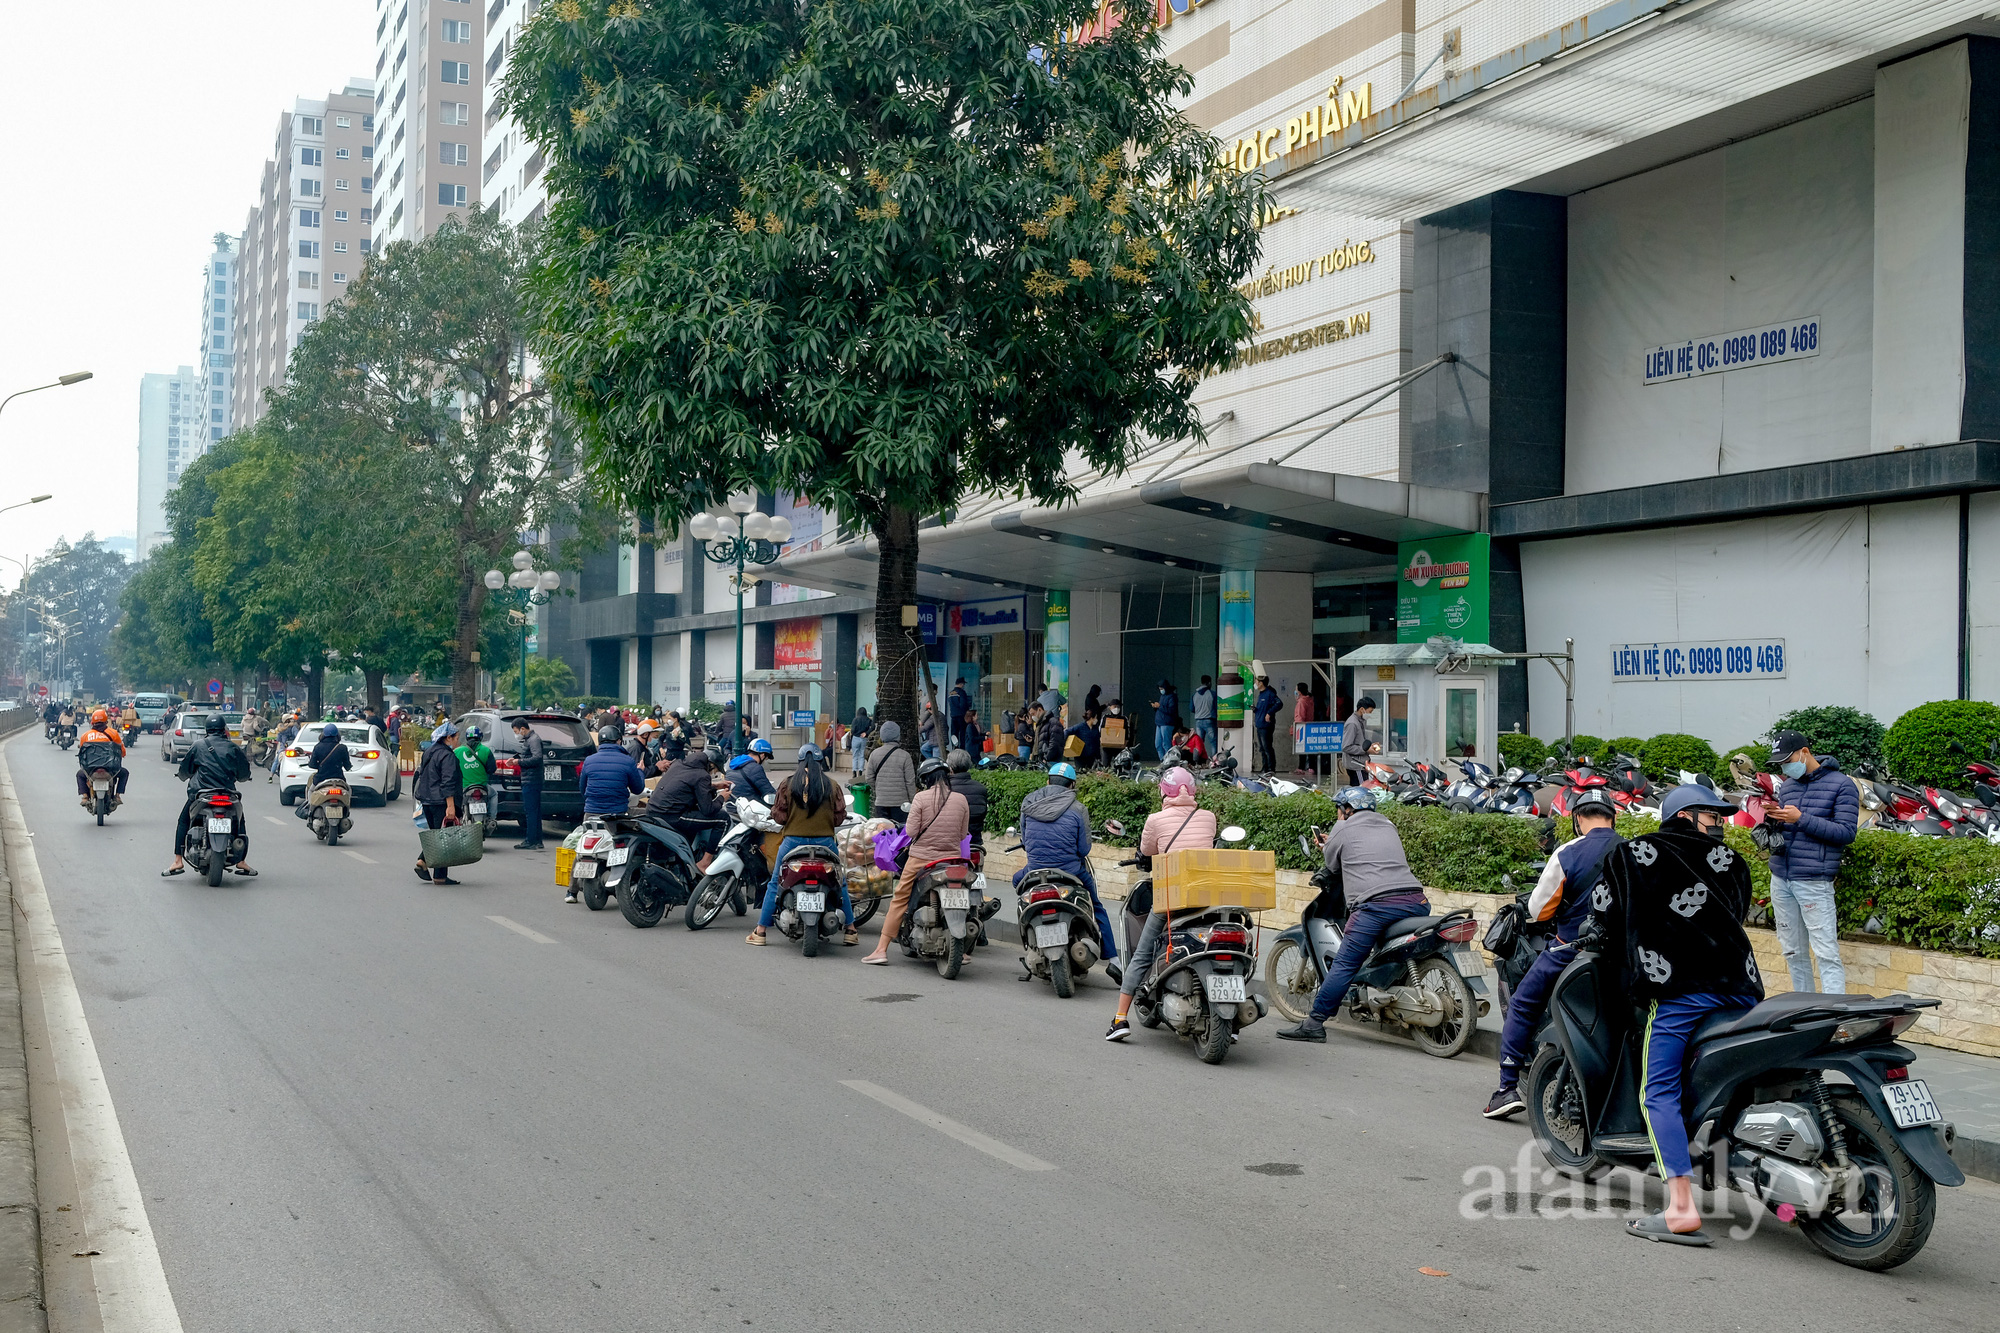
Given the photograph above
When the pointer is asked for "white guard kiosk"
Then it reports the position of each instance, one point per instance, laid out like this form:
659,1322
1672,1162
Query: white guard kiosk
1433,700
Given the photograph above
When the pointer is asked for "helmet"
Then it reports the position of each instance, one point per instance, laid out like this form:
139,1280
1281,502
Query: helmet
215,726
1693,796
931,769
100,717
1594,801
806,752
1064,773
760,746
959,761
1176,779
329,732
472,735
608,734
1355,798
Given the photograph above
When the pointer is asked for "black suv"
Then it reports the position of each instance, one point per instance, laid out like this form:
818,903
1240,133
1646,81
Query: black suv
565,744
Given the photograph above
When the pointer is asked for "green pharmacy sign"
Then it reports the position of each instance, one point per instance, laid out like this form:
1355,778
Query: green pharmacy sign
1442,588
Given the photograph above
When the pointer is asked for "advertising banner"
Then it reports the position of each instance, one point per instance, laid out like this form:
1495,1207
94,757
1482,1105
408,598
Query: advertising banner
812,527
1713,353
1236,643
1714,659
1055,643
796,644
997,615
1442,588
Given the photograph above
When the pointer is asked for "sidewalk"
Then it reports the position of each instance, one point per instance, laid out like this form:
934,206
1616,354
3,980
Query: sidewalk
1967,1090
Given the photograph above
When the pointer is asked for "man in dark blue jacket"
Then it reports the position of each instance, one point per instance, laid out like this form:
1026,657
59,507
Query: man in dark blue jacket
609,778
1818,809
1055,835
1264,715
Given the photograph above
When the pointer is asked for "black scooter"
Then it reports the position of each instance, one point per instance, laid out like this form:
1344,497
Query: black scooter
649,869
1199,983
1855,1163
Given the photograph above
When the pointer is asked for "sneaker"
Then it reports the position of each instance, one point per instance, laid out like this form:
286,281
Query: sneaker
1307,1030
569,897
1505,1102
527,847
1119,1030
1116,973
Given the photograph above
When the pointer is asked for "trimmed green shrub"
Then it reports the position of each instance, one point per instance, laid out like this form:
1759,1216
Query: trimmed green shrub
1933,893
1114,798
1666,754
1848,734
1631,745
1918,745
1519,750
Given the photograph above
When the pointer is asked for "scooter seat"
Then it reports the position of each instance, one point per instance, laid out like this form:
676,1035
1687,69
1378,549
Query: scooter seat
1763,1015
1411,923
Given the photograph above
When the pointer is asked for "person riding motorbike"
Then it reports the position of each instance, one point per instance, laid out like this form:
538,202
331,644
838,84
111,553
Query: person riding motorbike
939,823
808,807
1365,850
329,759
475,761
1177,825
684,799
128,720
100,746
212,764
1055,835
747,776
1561,895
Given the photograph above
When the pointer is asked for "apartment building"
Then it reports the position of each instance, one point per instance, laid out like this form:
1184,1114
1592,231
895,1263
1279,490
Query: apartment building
215,352
171,435
305,239
429,77
510,177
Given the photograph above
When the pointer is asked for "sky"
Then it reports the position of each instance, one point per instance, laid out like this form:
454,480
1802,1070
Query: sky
119,172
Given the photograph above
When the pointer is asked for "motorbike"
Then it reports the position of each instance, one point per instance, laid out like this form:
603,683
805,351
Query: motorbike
1198,986
1060,941
945,923
1855,1163
217,836
594,852
1420,977
65,735
327,810
104,796
738,875
479,809
1515,939
648,868
809,897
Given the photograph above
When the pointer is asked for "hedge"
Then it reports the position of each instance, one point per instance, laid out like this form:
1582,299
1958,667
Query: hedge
1848,734
1918,746
1521,751
1627,745
1666,755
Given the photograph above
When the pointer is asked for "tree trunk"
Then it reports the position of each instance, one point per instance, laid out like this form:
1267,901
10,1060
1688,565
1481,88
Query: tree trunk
315,678
899,649
236,683
465,648
372,677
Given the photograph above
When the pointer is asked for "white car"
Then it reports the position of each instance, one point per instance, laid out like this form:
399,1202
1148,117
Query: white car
374,769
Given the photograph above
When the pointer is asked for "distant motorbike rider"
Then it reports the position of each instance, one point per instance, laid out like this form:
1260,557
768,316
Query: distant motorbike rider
684,799
747,776
1055,835
212,764
329,759
809,807
1366,852
100,746
1563,896
475,760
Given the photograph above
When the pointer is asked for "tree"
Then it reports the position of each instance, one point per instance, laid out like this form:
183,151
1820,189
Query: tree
887,253
73,595
549,679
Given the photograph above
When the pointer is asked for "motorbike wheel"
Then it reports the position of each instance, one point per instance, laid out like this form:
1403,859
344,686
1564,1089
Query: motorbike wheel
641,908
594,896
103,809
864,911
809,939
708,898
1290,981
1555,1116
1451,1036
215,860
1891,1218
1461,806
332,836
1060,978
1213,1043
949,965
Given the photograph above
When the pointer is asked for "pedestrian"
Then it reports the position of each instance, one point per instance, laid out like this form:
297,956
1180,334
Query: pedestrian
939,823
1820,810
960,703
1177,825
1166,716
1356,744
891,775
533,751
808,807
857,738
1090,741
1048,735
1093,699
1264,715
1302,713
729,737
972,739
1024,732
1204,713
440,790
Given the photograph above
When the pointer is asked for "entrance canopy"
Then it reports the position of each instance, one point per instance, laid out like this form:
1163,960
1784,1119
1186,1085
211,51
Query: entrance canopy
1254,517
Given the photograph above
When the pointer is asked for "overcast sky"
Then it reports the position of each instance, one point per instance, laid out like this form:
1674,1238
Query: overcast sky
131,131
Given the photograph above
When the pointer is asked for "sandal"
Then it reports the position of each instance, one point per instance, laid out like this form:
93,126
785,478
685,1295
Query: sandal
853,936
876,960
756,937
244,871
1654,1227
173,870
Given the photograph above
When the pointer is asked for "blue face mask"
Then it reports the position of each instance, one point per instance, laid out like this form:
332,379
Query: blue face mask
1795,769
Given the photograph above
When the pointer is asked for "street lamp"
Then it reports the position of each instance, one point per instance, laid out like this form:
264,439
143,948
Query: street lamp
527,588
25,503
746,537
75,377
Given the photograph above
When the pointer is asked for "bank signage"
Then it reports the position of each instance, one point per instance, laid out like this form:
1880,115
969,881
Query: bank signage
1713,659
999,614
1442,588
1787,340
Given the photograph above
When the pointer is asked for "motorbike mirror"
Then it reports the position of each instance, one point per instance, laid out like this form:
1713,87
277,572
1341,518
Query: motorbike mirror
1506,881
1012,831
1115,827
1233,834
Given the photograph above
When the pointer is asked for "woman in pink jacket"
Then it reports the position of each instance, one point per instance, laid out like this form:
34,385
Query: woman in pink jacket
940,820
1177,825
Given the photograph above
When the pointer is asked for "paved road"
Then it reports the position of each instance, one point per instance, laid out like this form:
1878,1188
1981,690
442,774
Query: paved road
355,1101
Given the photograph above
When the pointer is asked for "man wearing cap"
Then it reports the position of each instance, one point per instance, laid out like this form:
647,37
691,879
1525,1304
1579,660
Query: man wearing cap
1818,812
1264,713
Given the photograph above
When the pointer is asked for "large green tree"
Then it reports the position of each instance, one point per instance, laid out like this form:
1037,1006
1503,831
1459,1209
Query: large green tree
889,253
67,606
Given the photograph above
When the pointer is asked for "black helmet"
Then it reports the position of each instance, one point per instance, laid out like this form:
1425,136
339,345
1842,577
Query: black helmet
1594,801
215,725
608,734
929,771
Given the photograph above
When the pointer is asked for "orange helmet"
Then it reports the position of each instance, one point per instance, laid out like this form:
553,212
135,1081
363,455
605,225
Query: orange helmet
100,717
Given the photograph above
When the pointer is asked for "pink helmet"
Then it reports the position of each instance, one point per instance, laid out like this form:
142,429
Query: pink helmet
1175,781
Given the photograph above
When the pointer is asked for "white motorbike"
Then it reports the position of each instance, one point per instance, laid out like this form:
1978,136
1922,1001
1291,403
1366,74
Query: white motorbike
328,806
738,875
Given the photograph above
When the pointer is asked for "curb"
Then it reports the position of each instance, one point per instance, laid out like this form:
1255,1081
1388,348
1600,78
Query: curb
21,1305
1977,1157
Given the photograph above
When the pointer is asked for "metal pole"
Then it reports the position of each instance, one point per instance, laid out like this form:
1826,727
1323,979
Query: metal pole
737,740
526,602
1569,693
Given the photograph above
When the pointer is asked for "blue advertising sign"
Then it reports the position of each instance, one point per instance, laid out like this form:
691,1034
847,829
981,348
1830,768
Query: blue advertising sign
804,717
1316,738
1713,353
1717,659
927,621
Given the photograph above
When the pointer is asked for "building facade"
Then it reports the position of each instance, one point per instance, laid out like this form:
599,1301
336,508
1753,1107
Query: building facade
305,240
510,178
428,104
172,434
216,351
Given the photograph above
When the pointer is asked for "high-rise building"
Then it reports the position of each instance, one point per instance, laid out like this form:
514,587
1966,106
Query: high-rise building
305,239
170,437
215,357
511,177
429,74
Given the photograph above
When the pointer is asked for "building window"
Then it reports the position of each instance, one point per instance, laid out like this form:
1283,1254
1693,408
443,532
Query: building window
308,280
451,196
340,152
457,30
454,71
340,277
308,187
218,325
308,310
310,157
222,286
368,123
340,215
340,247
215,396
367,184
364,245
452,113
215,414
221,270
221,306
312,125
451,154
340,182
344,122
368,152
367,215
308,249
309,217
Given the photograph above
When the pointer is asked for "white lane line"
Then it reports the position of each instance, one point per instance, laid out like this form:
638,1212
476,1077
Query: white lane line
520,929
275,820
369,860
972,1138
132,1291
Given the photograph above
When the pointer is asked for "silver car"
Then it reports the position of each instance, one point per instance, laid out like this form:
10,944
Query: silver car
373,768
179,732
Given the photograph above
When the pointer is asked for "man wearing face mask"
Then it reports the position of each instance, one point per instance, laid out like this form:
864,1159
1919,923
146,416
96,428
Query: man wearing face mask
1818,810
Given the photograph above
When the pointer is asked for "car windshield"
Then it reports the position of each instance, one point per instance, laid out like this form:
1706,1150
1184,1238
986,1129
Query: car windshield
150,701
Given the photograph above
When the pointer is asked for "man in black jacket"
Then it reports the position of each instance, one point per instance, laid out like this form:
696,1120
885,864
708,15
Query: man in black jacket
684,800
534,754
213,763
440,788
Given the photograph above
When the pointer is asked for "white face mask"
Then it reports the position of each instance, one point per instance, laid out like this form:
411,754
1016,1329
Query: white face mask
1795,769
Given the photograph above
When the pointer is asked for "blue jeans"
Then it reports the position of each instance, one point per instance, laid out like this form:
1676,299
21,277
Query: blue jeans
1204,727
531,812
1097,909
1163,740
771,890
1366,925
1525,1008
1808,919
1669,1024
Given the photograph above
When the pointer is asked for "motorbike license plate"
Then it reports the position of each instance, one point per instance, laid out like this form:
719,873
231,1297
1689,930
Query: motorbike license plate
619,855
1050,937
479,807
101,785
955,900
552,773
584,870
1225,990
1910,1103
218,826
809,902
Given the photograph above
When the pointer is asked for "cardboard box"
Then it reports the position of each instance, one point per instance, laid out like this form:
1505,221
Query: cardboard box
1219,877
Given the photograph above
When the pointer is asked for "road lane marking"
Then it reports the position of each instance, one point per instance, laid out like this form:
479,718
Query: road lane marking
923,1115
275,820
520,929
130,1284
359,857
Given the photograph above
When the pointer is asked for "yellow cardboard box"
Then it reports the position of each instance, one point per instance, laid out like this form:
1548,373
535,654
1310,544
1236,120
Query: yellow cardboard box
1219,877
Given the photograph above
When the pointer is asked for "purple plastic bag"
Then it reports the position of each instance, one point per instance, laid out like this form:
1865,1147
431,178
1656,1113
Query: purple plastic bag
888,845
965,847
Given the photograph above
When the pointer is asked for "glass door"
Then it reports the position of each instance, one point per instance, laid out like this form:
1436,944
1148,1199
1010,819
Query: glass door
1460,724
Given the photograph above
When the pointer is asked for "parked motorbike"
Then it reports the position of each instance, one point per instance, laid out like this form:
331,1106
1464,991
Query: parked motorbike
1421,976
947,915
1854,1163
1198,985
649,868
217,836
809,897
327,810
738,874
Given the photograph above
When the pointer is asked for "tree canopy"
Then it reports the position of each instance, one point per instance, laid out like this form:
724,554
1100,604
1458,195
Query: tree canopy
61,616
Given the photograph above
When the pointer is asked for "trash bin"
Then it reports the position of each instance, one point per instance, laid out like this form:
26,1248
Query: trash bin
857,798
